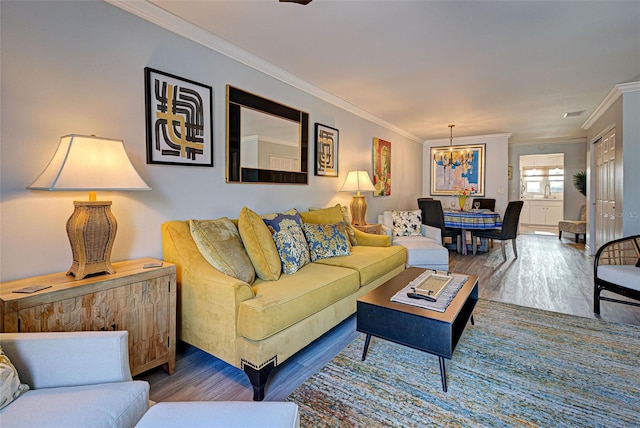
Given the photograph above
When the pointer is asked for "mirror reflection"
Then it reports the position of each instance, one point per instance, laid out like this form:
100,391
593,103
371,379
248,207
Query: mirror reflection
268,142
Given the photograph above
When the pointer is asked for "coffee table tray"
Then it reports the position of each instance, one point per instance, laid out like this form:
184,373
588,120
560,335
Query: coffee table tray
444,297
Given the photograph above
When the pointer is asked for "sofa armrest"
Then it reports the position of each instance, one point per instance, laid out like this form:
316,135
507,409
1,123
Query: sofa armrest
209,299
50,360
371,239
432,233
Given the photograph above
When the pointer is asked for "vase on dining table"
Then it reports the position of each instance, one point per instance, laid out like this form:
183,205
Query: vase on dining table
461,201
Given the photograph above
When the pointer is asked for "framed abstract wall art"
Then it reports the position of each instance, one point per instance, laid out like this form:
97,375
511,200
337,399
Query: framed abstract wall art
457,167
381,167
326,163
179,120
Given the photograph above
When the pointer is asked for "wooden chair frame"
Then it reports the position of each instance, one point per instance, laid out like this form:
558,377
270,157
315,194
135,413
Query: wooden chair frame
623,251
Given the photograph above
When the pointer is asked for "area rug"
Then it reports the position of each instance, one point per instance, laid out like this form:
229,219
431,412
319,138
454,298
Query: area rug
516,367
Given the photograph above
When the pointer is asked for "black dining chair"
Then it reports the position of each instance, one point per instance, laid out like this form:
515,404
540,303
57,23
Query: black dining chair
433,215
485,203
509,229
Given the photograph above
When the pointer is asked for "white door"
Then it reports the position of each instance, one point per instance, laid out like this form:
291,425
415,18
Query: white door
605,194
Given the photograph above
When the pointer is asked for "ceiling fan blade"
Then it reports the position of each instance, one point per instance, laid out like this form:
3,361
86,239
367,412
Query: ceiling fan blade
303,2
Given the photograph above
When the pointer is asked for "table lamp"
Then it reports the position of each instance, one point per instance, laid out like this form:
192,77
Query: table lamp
358,181
90,163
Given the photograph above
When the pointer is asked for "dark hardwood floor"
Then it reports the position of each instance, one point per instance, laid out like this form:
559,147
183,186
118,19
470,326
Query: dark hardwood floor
550,274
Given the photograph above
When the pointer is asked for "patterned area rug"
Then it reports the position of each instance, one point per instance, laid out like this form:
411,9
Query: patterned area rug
516,367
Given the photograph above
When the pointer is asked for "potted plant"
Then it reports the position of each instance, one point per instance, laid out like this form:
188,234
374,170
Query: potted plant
580,182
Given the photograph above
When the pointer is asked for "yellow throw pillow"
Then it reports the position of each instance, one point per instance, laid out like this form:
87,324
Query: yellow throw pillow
259,244
219,242
331,215
10,386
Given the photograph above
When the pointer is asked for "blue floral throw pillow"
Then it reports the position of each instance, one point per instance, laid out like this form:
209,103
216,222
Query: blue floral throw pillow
326,240
292,248
407,223
278,221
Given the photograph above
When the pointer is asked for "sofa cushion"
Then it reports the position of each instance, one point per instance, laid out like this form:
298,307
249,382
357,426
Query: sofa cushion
626,275
259,244
219,242
370,262
278,221
118,404
10,386
282,303
406,223
351,233
326,240
292,248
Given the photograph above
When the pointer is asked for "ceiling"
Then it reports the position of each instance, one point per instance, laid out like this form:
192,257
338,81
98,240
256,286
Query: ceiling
487,66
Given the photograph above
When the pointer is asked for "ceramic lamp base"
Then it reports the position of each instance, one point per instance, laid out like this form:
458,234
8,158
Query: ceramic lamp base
92,231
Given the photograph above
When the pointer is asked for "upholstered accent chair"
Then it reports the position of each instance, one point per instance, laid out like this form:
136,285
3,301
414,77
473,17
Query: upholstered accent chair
577,227
616,268
485,203
509,229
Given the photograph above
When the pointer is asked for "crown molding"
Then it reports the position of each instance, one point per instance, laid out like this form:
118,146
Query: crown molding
160,17
608,101
471,138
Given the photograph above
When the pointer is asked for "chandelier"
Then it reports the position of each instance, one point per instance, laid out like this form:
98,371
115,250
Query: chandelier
451,159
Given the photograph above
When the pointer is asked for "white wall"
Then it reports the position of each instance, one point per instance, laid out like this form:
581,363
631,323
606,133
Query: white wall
496,156
78,67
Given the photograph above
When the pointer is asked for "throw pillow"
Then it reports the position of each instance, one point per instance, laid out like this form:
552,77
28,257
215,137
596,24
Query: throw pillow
407,223
278,221
329,216
326,240
259,244
293,249
219,242
10,386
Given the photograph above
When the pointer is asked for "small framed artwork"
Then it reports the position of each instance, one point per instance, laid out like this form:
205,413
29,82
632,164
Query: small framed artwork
381,167
326,163
179,116
457,167
510,172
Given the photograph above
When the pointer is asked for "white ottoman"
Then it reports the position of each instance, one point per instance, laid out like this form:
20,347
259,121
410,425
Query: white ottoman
227,414
423,252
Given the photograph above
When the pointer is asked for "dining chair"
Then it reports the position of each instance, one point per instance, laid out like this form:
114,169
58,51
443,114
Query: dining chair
433,215
485,203
509,229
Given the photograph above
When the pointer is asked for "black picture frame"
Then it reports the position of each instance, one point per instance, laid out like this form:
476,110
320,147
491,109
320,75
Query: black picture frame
326,150
179,119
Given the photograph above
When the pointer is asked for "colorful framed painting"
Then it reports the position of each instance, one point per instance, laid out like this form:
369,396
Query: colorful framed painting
381,167
457,167
326,163
179,120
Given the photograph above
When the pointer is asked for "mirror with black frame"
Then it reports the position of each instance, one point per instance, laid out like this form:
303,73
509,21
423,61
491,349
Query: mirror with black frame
267,142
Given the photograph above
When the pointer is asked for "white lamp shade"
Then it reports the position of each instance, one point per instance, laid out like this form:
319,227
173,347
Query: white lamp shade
89,163
357,181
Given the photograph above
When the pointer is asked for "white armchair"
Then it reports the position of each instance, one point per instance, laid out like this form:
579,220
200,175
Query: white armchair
76,379
424,251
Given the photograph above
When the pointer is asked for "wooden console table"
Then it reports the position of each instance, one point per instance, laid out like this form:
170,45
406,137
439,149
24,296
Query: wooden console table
139,300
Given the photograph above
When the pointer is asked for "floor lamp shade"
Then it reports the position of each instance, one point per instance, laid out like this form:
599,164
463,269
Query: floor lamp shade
90,163
358,181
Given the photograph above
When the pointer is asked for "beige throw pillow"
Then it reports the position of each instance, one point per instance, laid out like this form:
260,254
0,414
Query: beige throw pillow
219,242
10,386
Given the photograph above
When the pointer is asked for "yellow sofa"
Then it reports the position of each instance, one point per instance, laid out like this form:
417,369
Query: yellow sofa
258,326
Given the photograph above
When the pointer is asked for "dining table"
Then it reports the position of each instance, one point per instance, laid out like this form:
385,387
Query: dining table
471,219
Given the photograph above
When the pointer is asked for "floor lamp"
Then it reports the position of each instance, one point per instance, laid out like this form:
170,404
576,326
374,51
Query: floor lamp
90,163
358,181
